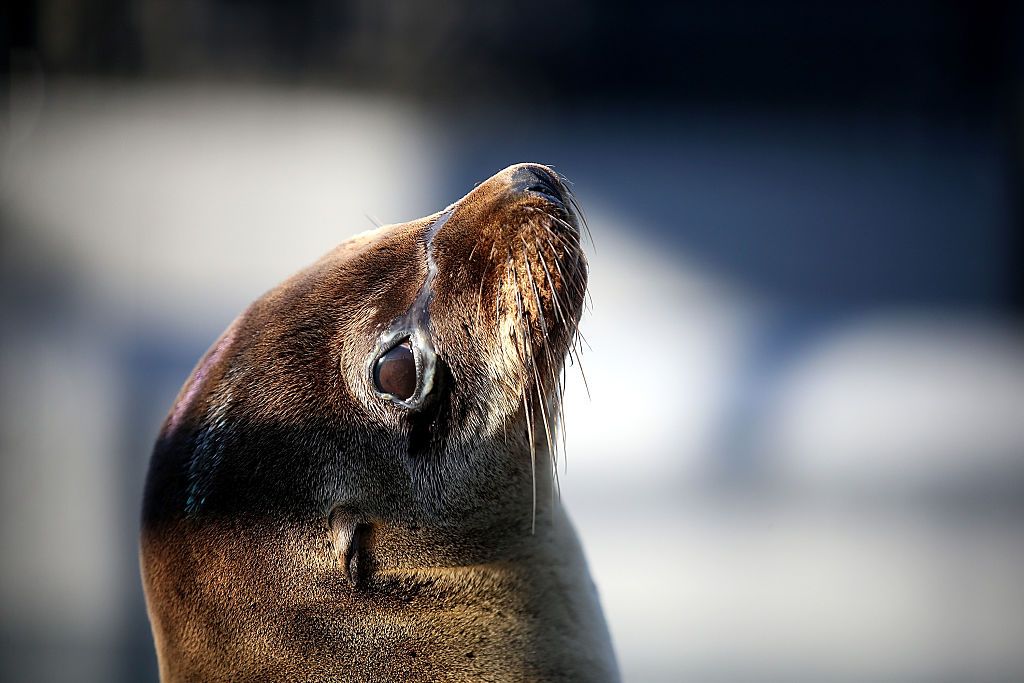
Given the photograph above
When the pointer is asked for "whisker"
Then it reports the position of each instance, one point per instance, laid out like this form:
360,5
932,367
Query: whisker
582,219
547,348
480,296
529,411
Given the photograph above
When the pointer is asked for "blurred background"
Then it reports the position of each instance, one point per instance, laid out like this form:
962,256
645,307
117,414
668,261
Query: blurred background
803,454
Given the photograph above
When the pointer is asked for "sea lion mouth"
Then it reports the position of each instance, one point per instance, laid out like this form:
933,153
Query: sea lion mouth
550,278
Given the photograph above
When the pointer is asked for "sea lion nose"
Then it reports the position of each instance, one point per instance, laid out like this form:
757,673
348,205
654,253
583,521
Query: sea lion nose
538,179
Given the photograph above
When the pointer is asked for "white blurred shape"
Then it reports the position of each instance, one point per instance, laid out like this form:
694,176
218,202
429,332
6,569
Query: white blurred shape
663,340
203,198
772,592
902,402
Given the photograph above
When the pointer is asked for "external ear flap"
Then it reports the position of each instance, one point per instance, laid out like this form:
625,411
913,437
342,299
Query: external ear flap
351,545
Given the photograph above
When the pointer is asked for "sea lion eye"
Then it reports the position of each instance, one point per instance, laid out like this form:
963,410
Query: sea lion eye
395,372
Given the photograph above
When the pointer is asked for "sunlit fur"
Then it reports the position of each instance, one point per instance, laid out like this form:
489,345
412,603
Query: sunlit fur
279,449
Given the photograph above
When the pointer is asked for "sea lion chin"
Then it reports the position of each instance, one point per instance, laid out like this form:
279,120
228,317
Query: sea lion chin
357,483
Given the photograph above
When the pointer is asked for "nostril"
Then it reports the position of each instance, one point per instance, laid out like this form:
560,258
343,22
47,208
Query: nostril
529,178
545,188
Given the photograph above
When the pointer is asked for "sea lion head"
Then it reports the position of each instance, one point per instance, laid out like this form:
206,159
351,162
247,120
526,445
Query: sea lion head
389,410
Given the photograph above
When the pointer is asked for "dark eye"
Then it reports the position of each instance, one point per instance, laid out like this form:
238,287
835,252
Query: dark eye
395,372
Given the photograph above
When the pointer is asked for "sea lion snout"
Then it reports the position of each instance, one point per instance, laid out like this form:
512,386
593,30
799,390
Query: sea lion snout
506,300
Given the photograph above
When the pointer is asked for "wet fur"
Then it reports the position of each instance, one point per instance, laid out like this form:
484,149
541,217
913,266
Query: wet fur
298,527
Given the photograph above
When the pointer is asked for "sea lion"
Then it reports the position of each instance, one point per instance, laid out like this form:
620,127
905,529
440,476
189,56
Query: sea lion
356,482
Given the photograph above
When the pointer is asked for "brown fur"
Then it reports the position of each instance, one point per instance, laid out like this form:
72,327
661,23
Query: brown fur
299,527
